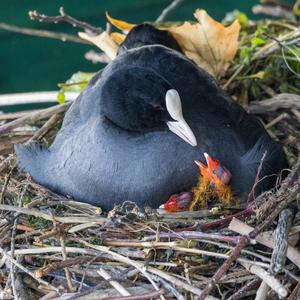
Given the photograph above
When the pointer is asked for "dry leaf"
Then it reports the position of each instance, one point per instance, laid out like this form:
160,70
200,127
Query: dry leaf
102,41
118,37
122,25
208,43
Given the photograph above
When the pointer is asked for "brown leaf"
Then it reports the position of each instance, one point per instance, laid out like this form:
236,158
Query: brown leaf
208,43
118,37
102,41
122,25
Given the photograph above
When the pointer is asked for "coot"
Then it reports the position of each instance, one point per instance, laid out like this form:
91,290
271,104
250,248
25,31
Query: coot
137,129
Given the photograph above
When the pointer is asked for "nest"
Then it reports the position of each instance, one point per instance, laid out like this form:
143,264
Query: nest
56,248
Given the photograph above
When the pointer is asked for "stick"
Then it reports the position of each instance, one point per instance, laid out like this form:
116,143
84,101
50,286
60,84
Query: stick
269,279
281,241
33,97
148,295
264,239
49,217
13,261
35,116
274,11
140,266
64,18
242,291
46,127
280,101
44,33
113,283
174,4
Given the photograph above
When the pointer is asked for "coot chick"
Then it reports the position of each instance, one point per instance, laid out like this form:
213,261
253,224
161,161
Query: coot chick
137,129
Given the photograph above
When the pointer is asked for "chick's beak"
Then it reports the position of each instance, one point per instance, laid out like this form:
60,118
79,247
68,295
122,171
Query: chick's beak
214,171
178,202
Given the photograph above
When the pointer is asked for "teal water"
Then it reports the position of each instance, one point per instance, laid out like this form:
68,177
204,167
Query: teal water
33,64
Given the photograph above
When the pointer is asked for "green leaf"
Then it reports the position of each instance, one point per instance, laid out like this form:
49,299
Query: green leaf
77,83
61,98
259,75
257,42
245,55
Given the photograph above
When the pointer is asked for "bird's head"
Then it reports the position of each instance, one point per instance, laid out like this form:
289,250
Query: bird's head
214,172
146,34
137,99
178,202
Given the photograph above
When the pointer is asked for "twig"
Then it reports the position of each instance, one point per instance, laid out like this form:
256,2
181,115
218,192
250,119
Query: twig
192,235
55,266
49,217
243,242
274,11
4,187
33,97
277,120
262,292
281,241
257,179
264,239
148,295
247,287
115,284
16,292
63,17
280,101
13,261
65,257
269,279
44,33
164,14
123,259
225,221
295,293
140,266
35,116
46,127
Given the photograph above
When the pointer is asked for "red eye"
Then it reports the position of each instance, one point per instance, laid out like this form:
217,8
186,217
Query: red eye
157,107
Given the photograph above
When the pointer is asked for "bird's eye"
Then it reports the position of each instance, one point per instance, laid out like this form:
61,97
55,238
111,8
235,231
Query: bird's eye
157,107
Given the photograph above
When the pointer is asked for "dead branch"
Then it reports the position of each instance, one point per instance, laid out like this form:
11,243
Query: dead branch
274,11
281,241
64,18
265,239
35,116
164,14
44,33
280,101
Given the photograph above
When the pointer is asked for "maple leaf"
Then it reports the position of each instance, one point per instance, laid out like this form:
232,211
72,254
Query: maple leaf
122,25
208,43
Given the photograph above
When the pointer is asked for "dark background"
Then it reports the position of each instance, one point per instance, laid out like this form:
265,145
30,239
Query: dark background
34,64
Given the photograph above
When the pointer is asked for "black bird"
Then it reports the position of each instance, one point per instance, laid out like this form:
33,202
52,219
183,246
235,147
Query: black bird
136,130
